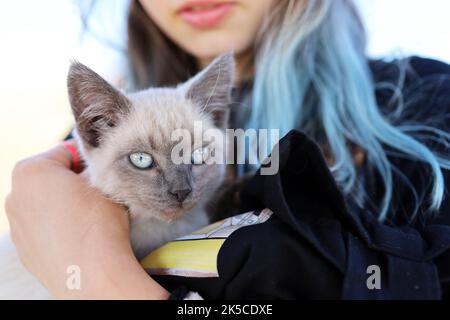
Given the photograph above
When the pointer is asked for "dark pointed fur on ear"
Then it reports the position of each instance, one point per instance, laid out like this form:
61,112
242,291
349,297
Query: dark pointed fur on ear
96,105
211,89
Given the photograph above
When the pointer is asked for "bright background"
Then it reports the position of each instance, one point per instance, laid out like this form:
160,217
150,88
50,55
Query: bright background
38,39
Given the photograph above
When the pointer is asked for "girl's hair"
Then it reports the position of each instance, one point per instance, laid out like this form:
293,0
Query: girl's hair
310,65
154,59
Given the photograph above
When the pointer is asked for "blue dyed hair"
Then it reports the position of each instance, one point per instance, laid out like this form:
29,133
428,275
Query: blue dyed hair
312,65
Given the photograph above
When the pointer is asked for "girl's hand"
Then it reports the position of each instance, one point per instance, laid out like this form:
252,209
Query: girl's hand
58,221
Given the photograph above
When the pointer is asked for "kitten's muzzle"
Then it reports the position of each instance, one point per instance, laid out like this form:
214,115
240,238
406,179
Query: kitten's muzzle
179,180
181,194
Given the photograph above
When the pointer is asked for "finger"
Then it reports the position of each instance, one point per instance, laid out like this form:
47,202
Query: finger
85,175
79,165
64,154
71,147
8,205
60,155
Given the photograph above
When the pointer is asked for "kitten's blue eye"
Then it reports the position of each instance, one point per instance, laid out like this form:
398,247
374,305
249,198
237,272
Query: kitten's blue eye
141,160
200,155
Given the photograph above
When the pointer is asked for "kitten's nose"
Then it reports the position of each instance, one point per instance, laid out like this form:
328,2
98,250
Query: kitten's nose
181,194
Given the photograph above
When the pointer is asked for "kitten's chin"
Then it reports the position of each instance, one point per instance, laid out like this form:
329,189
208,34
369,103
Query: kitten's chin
171,214
166,215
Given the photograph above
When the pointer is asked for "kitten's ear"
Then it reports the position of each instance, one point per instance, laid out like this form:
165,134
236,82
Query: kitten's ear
211,89
97,106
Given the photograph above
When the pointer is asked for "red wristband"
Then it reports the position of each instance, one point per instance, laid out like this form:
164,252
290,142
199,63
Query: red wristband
74,154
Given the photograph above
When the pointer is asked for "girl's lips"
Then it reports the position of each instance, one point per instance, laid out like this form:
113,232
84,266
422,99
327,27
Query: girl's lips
205,14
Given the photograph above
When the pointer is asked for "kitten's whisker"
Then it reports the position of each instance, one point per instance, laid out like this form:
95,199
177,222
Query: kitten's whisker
214,88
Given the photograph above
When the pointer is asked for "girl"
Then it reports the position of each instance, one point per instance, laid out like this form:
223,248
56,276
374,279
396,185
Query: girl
382,128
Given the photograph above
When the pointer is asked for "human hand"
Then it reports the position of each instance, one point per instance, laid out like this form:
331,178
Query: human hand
58,220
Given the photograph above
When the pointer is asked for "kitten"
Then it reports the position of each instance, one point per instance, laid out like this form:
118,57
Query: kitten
125,142
165,200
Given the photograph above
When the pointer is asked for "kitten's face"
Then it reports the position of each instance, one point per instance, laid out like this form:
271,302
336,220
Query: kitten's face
127,140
